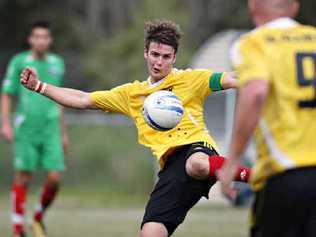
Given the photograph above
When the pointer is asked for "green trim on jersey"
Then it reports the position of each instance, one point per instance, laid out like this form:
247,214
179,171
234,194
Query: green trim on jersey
215,81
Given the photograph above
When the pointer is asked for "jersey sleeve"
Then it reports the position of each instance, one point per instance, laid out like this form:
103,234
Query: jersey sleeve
11,81
115,100
206,81
249,61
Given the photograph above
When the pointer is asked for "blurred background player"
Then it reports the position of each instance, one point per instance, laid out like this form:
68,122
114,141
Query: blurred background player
276,65
187,154
39,135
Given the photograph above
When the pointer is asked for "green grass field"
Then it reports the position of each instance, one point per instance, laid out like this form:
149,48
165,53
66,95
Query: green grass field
107,182
78,216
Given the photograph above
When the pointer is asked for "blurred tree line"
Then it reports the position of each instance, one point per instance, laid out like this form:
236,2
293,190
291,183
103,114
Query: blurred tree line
102,40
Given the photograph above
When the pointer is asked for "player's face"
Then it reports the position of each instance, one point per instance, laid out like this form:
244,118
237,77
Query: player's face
40,40
160,59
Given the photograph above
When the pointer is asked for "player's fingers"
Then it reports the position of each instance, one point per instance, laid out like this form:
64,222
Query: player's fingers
8,137
32,71
25,76
232,194
229,192
65,146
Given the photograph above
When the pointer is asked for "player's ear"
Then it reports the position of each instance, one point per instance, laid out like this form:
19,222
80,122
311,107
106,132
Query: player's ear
51,40
29,40
145,53
174,58
295,8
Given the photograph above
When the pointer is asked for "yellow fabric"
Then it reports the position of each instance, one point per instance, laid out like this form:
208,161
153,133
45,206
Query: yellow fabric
285,137
191,86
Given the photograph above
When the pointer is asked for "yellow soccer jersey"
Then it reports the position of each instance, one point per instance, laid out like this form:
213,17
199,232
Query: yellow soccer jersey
191,86
282,52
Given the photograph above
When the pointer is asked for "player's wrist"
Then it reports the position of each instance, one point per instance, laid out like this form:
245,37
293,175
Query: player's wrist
40,87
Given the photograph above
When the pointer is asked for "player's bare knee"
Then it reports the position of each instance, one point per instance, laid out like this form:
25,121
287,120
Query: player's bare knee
197,166
23,178
153,229
54,178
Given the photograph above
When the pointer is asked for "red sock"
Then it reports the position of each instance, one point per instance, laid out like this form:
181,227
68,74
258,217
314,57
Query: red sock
18,208
216,163
47,197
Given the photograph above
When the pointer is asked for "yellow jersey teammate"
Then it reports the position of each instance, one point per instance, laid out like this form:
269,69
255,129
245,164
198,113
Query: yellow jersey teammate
276,65
187,153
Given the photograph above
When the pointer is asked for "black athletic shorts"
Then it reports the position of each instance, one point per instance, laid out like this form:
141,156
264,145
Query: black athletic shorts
286,206
176,193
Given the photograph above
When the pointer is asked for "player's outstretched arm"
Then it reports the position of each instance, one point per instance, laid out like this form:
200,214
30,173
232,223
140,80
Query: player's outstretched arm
229,81
67,97
6,128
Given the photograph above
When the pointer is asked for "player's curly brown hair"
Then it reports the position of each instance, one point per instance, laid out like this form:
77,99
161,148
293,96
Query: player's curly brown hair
164,32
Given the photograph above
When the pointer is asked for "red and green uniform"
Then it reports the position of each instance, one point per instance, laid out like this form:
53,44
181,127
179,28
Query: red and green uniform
37,119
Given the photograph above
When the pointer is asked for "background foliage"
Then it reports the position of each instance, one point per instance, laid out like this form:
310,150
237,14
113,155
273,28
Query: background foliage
102,41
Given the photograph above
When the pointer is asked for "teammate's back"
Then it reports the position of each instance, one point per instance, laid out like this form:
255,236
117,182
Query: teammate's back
277,70
284,52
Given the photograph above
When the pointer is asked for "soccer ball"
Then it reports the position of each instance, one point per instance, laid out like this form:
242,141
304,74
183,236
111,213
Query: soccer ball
162,110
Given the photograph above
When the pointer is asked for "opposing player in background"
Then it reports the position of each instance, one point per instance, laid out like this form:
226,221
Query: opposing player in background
276,65
187,154
39,135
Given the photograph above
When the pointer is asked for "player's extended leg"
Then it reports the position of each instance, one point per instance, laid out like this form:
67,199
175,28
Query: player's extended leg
174,195
153,229
202,166
19,192
47,196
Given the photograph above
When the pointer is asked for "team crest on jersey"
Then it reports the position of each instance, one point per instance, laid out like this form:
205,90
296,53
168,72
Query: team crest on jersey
170,88
270,39
54,71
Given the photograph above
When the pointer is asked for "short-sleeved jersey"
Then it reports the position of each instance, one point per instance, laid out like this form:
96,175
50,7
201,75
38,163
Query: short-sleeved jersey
283,53
191,86
33,110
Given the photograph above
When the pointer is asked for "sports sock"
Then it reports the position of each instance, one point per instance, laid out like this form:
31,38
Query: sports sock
216,162
48,195
18,208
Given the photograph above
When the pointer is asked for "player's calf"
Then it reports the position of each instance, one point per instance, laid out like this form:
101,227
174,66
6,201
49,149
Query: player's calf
19,192
48,195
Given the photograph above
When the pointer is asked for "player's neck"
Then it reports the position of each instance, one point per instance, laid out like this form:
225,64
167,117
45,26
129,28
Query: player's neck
38,55
266,19
154,80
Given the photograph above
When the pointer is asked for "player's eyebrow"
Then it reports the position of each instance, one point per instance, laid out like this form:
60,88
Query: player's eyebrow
166,54
158,53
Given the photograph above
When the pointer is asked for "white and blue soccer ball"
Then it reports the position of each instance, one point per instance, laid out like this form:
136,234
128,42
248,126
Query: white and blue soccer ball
162,110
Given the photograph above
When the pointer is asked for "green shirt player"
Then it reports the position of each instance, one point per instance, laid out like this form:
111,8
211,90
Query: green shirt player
39,133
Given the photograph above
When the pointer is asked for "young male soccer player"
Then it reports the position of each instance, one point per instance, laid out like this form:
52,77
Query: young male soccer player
187,153
276,64
39,130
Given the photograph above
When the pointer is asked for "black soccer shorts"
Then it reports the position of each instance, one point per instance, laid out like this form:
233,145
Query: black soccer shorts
176,193
286,206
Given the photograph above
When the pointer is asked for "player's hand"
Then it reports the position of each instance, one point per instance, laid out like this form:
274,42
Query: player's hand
230,81
29,79
226,176
65,142
7,133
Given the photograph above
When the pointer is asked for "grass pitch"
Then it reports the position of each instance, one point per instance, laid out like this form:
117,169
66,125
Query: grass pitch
77,216
105,190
